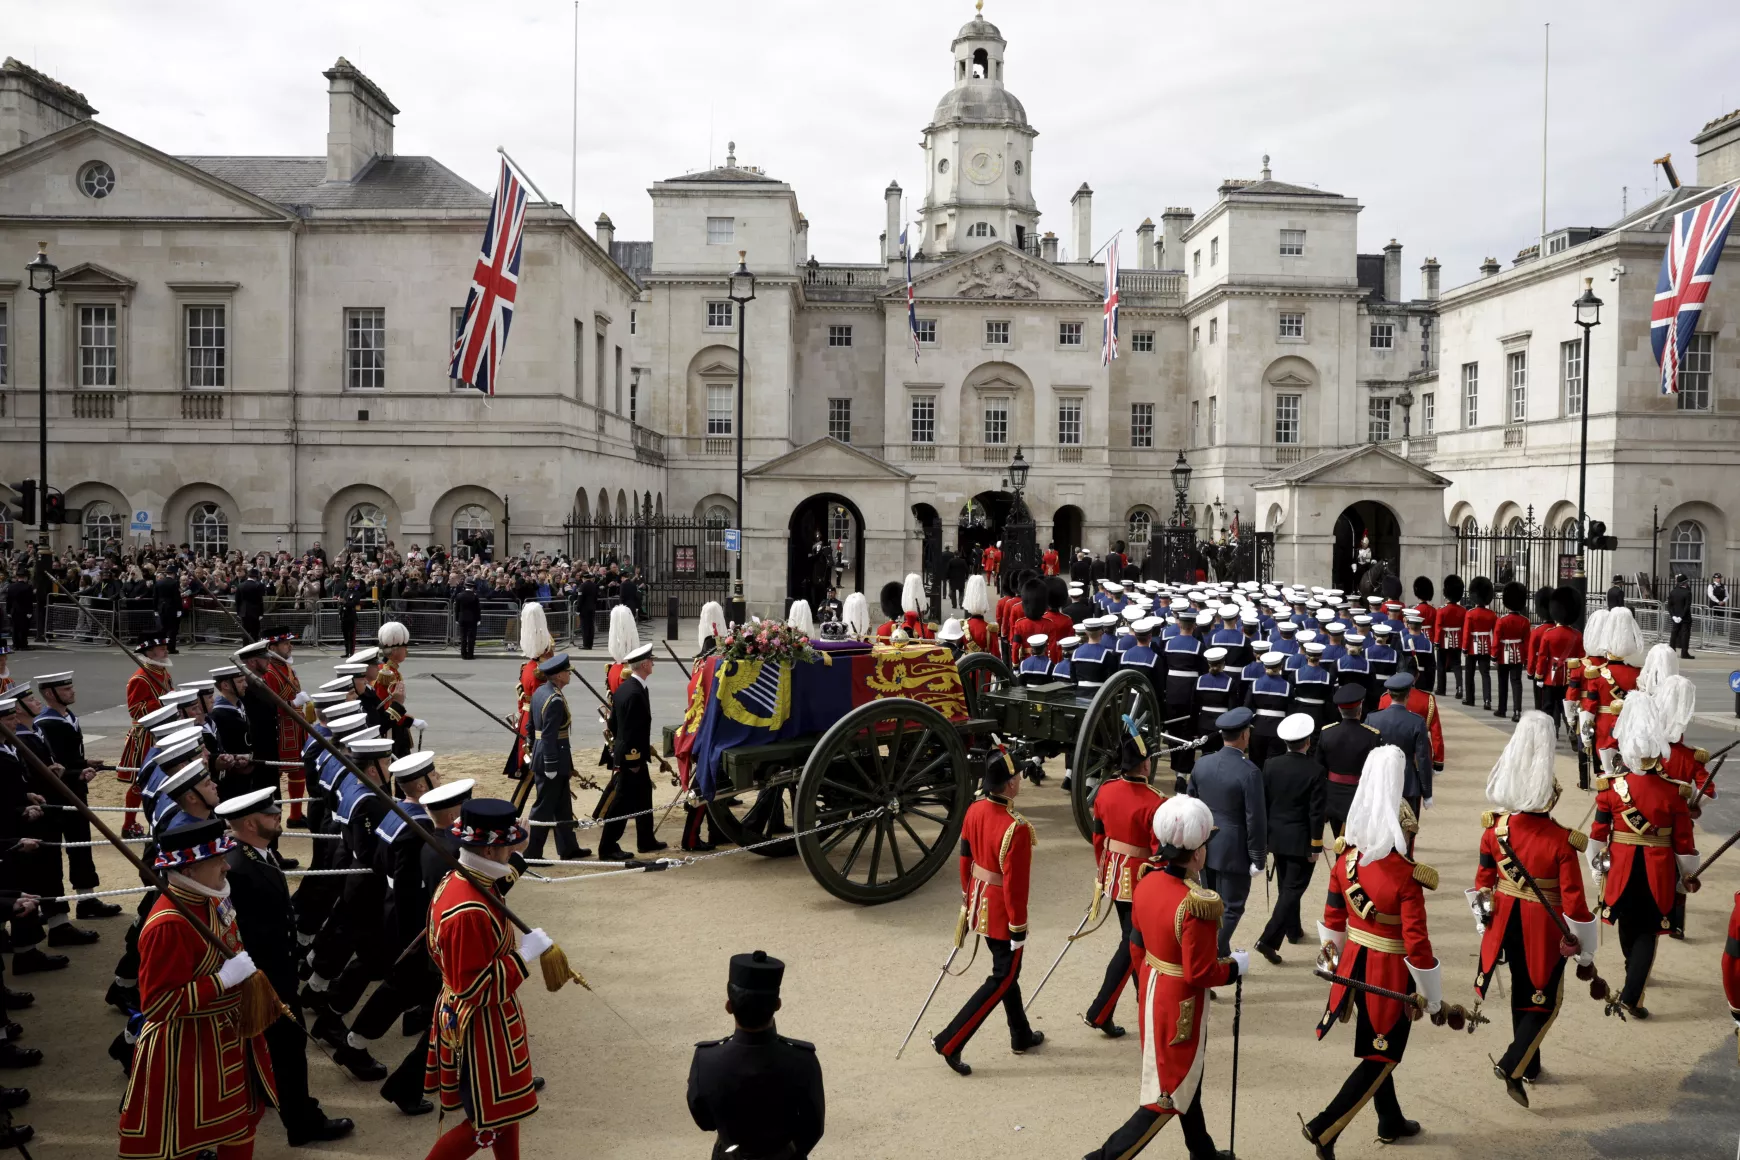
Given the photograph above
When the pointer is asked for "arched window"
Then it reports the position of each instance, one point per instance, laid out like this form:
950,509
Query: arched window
840,525
101,525
473,531
1470,545
1568,533
1141,524
208,530
981,64
981,230
365,529
1686,549
717,518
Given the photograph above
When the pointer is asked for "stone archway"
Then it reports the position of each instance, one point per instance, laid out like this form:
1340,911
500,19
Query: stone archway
1066,529
811,570
1359,521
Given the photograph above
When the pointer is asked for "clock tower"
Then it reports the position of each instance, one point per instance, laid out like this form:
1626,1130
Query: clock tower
978,153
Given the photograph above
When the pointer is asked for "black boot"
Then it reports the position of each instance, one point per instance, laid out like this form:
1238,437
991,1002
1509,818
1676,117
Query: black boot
320,1128
68,935
96,908
29,962
359,1063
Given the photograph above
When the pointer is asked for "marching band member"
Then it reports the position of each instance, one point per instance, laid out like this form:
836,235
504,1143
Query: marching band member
1123,839
537,646
976,603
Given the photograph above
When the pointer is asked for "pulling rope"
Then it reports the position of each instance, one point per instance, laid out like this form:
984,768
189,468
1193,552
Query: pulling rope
144,889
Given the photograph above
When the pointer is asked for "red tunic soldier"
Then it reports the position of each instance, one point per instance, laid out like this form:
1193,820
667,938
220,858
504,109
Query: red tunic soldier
976,602
1447,634
1123,840
1374,931
1176,925
1048,560
912,605
145,689
996,855
197,1083
991,562
1643,836
1478,626
1424,590
1510,640
1731,962
1685,765
1424,705
888,600
479,1058
394,640
536,645
1032,619
1606,679
1521,836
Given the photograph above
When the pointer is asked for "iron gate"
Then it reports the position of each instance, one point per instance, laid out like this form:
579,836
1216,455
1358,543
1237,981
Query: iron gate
1177,556
679,556
1524,551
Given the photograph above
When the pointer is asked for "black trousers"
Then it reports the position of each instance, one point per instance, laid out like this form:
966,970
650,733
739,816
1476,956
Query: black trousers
633,795
1263,747
1449,661
169,623
347,625
1234,887
81,869
1292,876
553,804
1426,671
588,626
1105,1004
1483,662
251,629
1002,985
1639,921
468,640
405,1085
19,617
1340,800
1510,681
288,1047
1372,1080
1144,1124
1681,636
1180,717
316,897
411,984
365,897
1529,1021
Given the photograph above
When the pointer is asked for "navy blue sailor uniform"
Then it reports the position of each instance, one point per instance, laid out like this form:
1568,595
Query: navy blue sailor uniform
1183,663
1312,689
1269,698
1236,644
1355,669
1382,661
1215,694
1089,665
1035,670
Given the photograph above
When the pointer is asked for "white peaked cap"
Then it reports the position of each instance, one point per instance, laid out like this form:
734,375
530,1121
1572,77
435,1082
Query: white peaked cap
1374,820
712,623
1521,780
1624,639
1183,822
1639,731
976,600
855,614
624,635
912,593
535,638
1676,699
1662,661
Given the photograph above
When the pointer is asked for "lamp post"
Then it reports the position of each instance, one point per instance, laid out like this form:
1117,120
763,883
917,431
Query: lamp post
1406,399
1180,489
742,292
1588,313
42,277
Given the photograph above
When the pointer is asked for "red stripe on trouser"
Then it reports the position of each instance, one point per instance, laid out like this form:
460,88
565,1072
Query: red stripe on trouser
985,1008
298,788
1103,1016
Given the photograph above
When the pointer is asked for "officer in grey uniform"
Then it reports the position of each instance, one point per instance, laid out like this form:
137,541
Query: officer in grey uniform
1233,788
553,763
1400,726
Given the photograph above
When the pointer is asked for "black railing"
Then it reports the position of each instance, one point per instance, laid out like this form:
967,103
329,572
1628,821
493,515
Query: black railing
1177,555
1524,551
678,556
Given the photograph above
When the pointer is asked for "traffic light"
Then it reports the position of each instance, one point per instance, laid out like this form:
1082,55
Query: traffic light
1597,539
26,490
54,507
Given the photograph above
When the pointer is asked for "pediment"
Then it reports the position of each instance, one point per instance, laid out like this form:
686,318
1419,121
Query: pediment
90,276
1287,379
1001,273
715,369
828,459
1368,466
42,178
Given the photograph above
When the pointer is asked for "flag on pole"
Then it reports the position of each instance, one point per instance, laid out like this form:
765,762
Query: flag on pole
1687,269
911,306
1109,343
489,307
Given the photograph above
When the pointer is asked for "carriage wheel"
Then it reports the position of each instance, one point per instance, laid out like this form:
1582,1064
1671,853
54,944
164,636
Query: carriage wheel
980,673
897,753
746,817
1096,745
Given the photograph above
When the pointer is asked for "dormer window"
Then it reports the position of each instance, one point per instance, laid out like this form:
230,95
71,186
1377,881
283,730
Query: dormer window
981,230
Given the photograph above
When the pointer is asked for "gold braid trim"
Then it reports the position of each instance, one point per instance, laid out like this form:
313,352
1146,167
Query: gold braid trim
1204,904
1578,839
1425,876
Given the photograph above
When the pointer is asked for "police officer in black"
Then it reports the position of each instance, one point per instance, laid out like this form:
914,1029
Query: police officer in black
1343,746
632,791
467,611
251,604
759,1090
553,762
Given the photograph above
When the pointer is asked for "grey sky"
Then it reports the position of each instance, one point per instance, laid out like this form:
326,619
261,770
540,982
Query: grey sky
1429,114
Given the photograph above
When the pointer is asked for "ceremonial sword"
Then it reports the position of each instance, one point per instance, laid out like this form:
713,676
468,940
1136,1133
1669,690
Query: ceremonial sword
1599,988
1067,943
933,989
1454,1014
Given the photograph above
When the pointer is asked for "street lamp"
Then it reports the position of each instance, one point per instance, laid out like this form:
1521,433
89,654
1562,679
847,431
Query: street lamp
742,292
1180,488
1588,312
42,277
1018,469
1406,399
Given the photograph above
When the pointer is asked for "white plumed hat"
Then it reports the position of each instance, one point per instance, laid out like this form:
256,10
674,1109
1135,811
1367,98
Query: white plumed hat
1374,820
855,614
800,618
1595,632
1676,699
1639,731
712,624
1661,662
624,633
1181,825
1624,640
976,600
1522,779
392,634
535,638
912,593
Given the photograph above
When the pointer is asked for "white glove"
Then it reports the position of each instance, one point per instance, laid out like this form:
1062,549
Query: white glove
1242,960
1593,853
1425,804
236,970
1430,983
1610,761
419,723
1676,620
1587,935
1475,899
1017,941
299,700
534,943
1585,720
1255,869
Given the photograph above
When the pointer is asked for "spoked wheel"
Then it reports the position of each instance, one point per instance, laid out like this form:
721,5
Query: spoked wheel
1128,693
980,673
895,753
745,817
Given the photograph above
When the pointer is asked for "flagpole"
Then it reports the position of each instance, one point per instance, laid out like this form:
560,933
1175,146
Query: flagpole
1102,249
1546,64
574,127
521,170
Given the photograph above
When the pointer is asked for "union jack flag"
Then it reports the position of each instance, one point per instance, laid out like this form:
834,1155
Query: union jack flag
911,306
1109,343
489,307
1687,270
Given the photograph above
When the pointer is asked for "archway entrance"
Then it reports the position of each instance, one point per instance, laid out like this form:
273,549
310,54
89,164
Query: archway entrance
981,524
1066,528
825,547
931,533
1354,563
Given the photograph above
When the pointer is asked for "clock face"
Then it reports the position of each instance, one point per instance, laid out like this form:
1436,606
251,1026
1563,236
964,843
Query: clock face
984,167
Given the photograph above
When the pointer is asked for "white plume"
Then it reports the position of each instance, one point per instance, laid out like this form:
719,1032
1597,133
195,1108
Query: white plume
912,594
712,624
392,634
801,618
1624,639
976,601
1374,820
1183,822
1676,699
1522,779
535,638
624,635
855,614
1639,731
1595,632
1661,662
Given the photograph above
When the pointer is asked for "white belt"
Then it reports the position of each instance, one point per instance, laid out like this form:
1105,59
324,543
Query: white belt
1191,673
1309,700
1270,713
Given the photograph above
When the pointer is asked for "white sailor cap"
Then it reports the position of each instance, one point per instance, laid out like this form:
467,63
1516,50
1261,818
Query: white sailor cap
1248,616
1381,630
369,746
252,649
336,685
1114,586
448,794
1069,642
413,765
1335,628
1214,655
1286,626
179,731
1038,640
1271,659
1362,619
329,697
184,779
1413,616
223,672
259,801
1295,727
50,680
1315,647
200,687
1374,600
1131,613
1354,638
345,726
1229,610
347,669
644,652
1075,589
1146,624
365,656
161,716
181,696
8,704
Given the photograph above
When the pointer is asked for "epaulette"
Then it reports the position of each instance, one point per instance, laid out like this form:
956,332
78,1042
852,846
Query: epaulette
1425,876
1204,904
1573,665
1148,867
1489,819
1340,845
714,1042
1700,755
1328,727
1579,841
1374,729
1602,783
803,1043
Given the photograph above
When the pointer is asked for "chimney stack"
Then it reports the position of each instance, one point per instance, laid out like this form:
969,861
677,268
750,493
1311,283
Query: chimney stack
1048,247
359,125
1718,150
1393,271
1083,206
605,231
1489,267
1145,244
33,105
891,239
1173,224
1429,280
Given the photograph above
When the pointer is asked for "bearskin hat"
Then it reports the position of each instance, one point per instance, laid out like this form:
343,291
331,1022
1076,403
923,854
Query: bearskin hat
1033,600
1453,588
1516,596
1480,591
1424,589
1566,606
1056,592
1544,604
890,598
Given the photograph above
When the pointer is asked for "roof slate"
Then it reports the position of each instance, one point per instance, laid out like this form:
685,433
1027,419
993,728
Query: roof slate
388,183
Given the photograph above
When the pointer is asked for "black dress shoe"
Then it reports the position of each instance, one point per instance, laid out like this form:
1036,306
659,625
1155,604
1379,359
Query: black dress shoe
33,960
17,1000
359,1063
700,847
653,848
96,908
311,1000
957,1064
16,1136
1111,1030
14,1097
330,1030
615,856
12,1055
1269,953
414,1023
1321,1150
1512,1087
301,823
325,1128
1034,1039
13,1032
122,999
1400,1132
1635,1010
1295,939
285,862
68,935
414,1106
122,1052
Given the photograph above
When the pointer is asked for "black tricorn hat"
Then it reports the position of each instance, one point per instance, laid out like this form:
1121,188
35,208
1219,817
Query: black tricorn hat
1424,589
1516,596
1453,587
1544,604
1033,598
1391,587
1480,590
1056,592
1567,606
890,598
